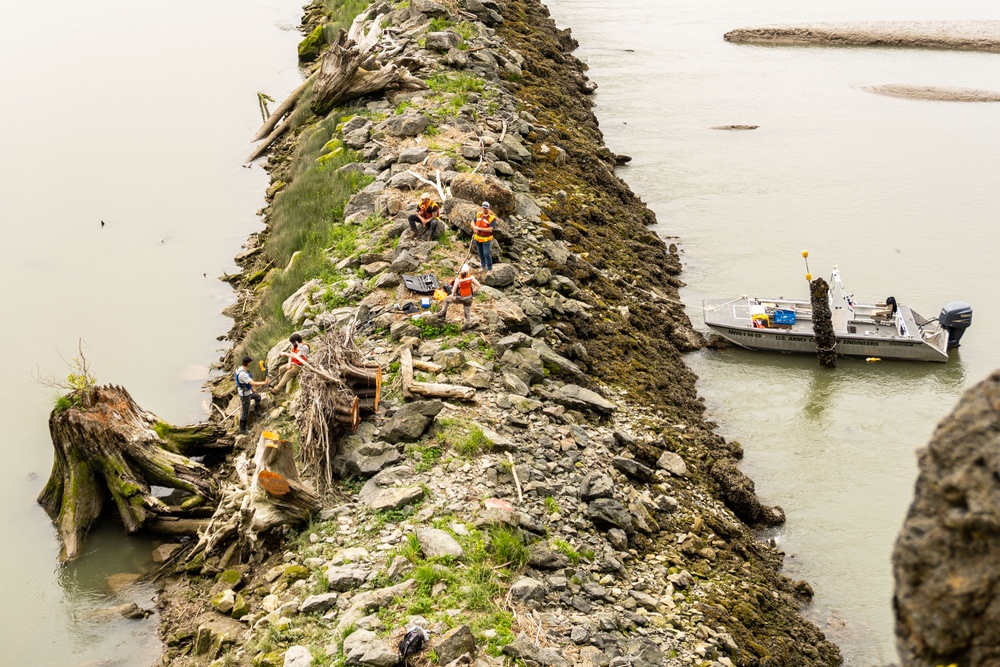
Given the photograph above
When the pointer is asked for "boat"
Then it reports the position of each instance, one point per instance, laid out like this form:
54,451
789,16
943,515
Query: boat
877,331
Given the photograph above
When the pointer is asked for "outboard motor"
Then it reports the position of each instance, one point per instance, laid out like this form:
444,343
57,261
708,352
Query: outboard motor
955,317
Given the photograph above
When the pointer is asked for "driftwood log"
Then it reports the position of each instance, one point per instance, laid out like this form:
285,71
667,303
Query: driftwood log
271,497
108,448
342,76
435,390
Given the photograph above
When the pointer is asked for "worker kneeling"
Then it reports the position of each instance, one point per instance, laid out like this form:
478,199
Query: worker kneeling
298,353
462,291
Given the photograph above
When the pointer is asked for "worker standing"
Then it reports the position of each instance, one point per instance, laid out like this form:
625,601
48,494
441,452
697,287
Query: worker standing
482,235
298,353
462,291
245,385
428,215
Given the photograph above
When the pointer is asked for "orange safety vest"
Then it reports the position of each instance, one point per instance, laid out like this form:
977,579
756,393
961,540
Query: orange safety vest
428,210
465,286
302,351
482,231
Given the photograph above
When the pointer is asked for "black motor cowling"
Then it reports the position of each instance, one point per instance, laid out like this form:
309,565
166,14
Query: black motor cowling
955,317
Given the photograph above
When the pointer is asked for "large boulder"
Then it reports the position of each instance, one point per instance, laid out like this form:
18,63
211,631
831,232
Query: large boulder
363,647
410,421
478,188
947,558
455,643
409,124
579,398
436,543
359,455
739,494
296,306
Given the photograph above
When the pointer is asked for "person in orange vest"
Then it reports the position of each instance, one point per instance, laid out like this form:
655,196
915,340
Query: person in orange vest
482,235
428,214
296,355
462,291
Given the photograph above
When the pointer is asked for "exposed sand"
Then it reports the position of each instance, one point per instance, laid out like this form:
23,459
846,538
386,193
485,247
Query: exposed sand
936,93
948,35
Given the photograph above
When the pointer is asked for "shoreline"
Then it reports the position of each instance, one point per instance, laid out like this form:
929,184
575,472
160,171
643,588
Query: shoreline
980,36
669,550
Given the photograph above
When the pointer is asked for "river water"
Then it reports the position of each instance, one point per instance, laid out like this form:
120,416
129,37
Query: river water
136,113
900,194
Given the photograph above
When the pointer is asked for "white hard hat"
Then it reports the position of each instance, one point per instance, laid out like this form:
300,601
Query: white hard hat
465,268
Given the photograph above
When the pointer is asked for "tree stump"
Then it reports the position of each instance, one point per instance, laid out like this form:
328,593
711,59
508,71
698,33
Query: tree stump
109,448
826,339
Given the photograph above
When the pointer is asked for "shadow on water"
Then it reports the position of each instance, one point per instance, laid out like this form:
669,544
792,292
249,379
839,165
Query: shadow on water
105,578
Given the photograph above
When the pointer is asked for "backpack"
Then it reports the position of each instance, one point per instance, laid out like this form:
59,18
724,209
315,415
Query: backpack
411,643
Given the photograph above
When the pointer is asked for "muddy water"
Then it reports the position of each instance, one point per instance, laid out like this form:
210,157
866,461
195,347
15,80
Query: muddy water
136,114
899,193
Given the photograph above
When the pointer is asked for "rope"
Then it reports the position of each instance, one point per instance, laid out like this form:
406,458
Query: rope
739,298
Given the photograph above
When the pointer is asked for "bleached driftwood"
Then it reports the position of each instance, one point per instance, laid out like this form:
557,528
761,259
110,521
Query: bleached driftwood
431,389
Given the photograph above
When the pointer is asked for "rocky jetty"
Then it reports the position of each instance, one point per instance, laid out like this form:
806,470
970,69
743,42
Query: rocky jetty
947,557
573,507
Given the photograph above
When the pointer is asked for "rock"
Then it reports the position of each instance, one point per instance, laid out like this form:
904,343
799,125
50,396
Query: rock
224,601
162,553
413,155
579,634
450,358
429,8
512,342
672,463
525,363
357,139
514,385
596,485
456,643
410,421
359,456
318,603
388,478
632,469
398,568
739,494
344,578
682,579
478,188
527,588
363,647
214,632
459,60
522,647
436,543
541,557
502,276
298,656
643,653
441,41
645,600
394,498
295,306
578,398
610,513
409,124
516,150
553,362
618,539
404,263
946,561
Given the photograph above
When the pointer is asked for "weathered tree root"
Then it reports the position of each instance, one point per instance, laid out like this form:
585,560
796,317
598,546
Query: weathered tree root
109,447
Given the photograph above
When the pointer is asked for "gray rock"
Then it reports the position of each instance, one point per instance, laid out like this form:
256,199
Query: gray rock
298,656
363,647
516,150
295,306
357,139
739,494
672,463
502,276
555,363
523,647
214,632
410,421
409,124
580,634
511,342
610,513
618,539
459,60
390,477
429,8
510,314
527,588
359,456
455,643
398,568
404,263
578,398
541,557
514,385
632,469
344,578
318,603
682,579
413,155
525,363
643,653
441,41
396,497
162,553
596,485
436,543
450,358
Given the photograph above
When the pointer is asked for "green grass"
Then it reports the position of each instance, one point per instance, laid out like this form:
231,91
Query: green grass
465,438
430,454
430,329
551,506
575,556
439,24
456,82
